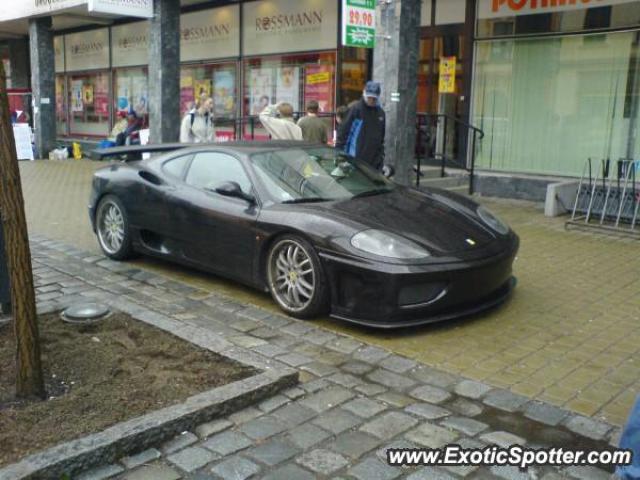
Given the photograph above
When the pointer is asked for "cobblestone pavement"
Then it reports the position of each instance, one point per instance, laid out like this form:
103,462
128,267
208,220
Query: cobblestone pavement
570,336
354,400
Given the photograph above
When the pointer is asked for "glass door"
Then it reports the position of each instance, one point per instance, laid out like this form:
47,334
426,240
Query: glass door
441,96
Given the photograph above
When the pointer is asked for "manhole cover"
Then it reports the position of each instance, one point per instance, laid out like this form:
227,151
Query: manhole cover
85,313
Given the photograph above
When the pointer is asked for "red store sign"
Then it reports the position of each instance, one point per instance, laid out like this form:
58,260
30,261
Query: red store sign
510,8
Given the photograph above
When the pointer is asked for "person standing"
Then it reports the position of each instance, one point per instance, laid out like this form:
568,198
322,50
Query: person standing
134,124
630,440
313,128
197,124
278,121
361,134
341,114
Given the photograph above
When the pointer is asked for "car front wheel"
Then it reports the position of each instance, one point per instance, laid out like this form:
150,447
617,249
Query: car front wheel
112,227
295,277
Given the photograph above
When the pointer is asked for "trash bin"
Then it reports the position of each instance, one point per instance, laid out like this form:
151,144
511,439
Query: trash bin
5,290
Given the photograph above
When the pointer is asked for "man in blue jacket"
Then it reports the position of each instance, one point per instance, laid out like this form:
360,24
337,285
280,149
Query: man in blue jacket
630,440
361,135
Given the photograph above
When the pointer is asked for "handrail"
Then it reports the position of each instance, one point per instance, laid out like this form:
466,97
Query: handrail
456,120
443,157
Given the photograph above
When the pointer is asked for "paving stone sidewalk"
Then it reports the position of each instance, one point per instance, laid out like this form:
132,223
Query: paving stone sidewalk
354,400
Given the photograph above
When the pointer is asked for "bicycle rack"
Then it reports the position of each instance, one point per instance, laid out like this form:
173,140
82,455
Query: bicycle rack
608,200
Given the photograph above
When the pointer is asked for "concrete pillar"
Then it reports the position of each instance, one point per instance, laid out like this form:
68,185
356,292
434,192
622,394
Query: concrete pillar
164,72
43,85
395,65
19,60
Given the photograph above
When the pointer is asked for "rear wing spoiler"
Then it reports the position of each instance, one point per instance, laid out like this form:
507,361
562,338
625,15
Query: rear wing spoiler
136,151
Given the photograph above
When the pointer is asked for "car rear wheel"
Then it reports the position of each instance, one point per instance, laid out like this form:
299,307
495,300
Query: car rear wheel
112,226
295,277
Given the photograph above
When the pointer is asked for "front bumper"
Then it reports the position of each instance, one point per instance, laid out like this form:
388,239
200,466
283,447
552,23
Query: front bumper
393,296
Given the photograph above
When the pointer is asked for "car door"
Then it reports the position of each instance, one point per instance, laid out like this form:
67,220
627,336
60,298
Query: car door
217,231
162,187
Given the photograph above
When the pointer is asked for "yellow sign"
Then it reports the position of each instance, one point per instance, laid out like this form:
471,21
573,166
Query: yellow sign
186,82
316,78
202,88
87,94
447,82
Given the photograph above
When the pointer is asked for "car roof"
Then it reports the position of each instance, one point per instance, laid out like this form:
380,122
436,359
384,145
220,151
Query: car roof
250,147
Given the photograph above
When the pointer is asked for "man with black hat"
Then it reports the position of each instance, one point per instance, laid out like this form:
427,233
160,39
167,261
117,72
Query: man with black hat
361,135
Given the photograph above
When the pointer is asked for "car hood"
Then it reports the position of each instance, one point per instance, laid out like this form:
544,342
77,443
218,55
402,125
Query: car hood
442,227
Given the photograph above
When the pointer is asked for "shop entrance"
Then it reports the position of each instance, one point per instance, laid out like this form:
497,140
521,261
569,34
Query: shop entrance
442,96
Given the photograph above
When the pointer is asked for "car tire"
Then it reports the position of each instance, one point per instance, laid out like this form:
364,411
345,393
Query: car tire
112,228
295,277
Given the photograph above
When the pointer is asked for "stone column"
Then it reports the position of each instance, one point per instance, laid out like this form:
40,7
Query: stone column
395,65
19,60
43,85
164,72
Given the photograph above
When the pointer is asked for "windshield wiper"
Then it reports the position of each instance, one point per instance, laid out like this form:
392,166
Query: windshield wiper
307,200
370,193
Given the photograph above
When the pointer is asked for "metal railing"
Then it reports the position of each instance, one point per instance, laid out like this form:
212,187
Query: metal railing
434,143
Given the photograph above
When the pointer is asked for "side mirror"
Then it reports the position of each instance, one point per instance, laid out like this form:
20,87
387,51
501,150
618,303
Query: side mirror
232,189
388,171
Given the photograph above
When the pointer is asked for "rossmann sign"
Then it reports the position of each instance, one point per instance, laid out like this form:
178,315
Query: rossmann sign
510,8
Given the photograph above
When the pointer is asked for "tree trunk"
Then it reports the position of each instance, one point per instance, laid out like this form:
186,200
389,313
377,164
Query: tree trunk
29,382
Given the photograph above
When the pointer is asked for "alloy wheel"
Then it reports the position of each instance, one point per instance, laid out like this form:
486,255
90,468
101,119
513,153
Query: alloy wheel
291,275
111,228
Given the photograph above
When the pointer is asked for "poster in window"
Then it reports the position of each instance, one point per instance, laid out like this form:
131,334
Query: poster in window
101,96
76,96
318,86
224,93
447,80
60,97
202,88
139,94
288,86
186,93
132,93
87,95
123,92
261,89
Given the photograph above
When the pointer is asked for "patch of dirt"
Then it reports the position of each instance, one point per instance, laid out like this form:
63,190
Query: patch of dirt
100,375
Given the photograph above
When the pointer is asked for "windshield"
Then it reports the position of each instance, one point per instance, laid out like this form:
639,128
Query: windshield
316,174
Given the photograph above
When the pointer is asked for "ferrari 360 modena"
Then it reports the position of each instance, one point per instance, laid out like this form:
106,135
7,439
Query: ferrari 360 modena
321,232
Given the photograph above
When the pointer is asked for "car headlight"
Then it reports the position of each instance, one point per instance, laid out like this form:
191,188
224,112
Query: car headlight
492,221
387,244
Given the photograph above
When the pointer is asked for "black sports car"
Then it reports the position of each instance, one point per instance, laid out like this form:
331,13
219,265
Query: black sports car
319,231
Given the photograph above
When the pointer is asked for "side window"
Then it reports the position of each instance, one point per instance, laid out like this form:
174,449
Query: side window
175,167
211,169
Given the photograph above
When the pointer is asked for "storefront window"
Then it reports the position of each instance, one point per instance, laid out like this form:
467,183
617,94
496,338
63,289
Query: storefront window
131,87
215,81
546,105
61,106
89,103
295,79
432,49
354,73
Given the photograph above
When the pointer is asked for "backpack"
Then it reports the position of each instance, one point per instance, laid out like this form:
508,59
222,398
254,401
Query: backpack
192,113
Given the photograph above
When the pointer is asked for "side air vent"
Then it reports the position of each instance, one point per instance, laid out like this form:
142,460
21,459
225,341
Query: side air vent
150,177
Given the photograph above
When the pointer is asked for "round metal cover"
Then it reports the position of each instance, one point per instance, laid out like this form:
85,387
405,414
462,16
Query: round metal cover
85,313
